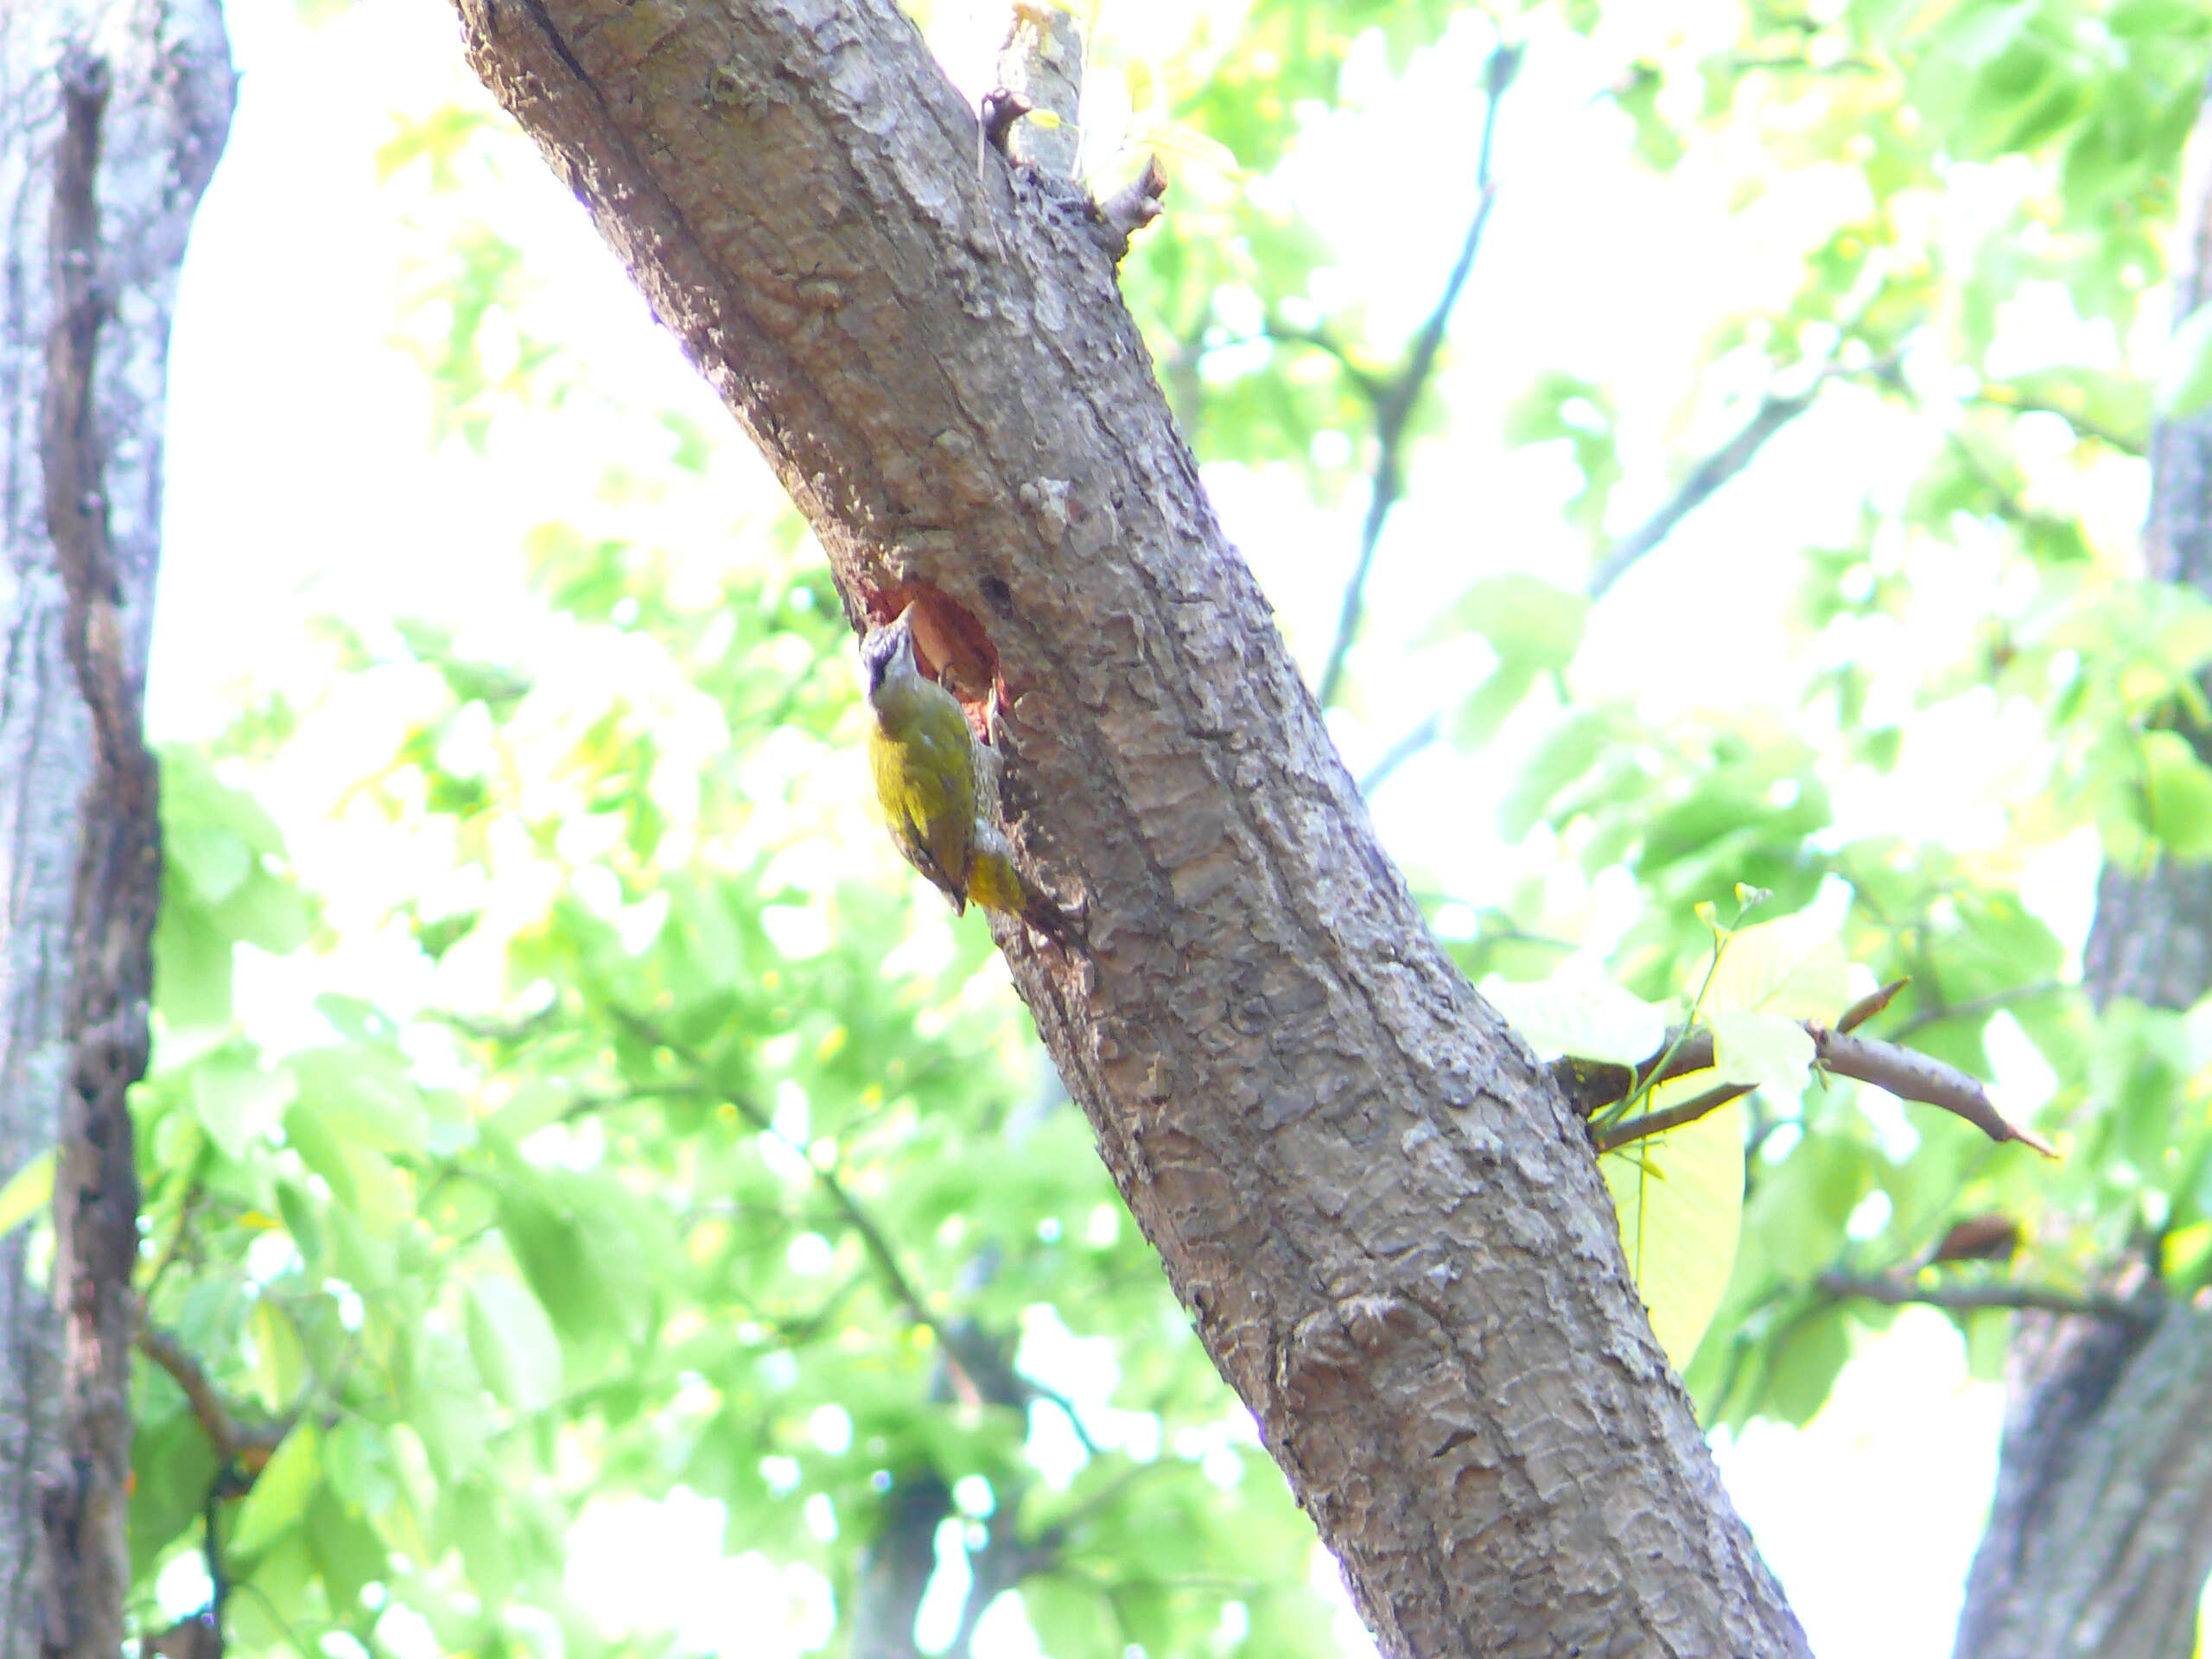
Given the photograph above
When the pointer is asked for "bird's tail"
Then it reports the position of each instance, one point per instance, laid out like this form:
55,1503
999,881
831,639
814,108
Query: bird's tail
996,883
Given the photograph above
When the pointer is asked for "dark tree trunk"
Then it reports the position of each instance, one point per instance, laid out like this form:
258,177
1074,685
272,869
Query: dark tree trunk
1389,1227
110,119
2100,1535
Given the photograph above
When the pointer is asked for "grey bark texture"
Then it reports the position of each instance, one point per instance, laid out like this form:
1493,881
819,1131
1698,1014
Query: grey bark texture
2100,1532
1388,1228
83,341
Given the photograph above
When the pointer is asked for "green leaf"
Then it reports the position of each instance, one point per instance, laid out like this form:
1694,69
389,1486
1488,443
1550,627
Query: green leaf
360,1461
1799,1212
172,1466
29,1191
360,1258
237,1102
1680,1198
1071,1619
571,1237
1190,146
445,1404
1762,1049
362,1180
1589,1019
514,1343
280,1491
470,1518
215,860
269,914
1564,756
193,796
1528,621
1988,1335
365,1096
1805,1364
1477,720
347,1552
1794,966
301,1220
192,967
2185,381
279,1579
280,1361
2177,793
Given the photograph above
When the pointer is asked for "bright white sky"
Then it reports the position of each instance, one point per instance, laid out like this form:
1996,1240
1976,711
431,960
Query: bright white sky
302,480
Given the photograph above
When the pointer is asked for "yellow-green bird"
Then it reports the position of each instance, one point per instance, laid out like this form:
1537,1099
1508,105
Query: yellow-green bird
925,761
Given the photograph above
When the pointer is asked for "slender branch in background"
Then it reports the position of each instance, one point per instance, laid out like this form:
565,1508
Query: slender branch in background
1395,400
1897,1293
1904,1073
1431,728
231,1436
1369,385
1936,1014
185,1211
2013,402
2011,505
1702,482
511,1029
873,1239
1065,1407
1775,411
969,1353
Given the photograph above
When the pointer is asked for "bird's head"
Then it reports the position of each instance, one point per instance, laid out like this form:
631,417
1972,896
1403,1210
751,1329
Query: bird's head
887,652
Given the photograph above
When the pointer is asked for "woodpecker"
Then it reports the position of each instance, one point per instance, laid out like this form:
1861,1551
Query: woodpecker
925,760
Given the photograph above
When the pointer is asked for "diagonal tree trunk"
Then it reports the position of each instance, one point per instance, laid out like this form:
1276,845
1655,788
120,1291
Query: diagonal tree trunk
2100,1533
112,116
1389,1227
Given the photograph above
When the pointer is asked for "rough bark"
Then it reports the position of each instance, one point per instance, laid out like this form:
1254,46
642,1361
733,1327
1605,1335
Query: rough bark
2100,1532
1389,1228
110,119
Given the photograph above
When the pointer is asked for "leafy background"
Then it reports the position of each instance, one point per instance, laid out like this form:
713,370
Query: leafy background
638,1199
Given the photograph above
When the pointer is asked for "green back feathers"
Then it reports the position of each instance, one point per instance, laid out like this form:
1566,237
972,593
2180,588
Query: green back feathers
925,765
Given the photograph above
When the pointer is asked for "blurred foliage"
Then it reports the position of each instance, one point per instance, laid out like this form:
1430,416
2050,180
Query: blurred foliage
570,1119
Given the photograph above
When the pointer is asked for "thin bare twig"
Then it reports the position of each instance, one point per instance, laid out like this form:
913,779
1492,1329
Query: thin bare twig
1897,1293
1871,1004
1910,1075
1644,1125
1394,404
1904,1073
1133,206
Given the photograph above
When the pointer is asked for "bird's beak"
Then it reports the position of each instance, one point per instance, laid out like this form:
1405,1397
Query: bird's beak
902,635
